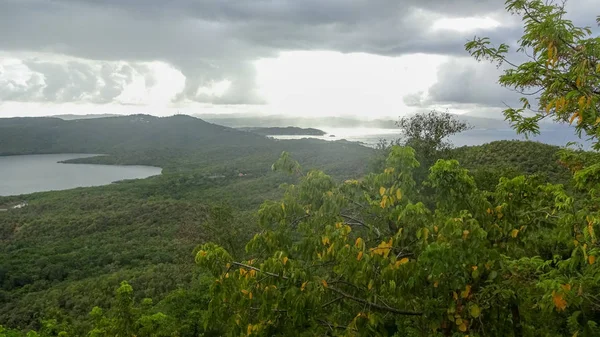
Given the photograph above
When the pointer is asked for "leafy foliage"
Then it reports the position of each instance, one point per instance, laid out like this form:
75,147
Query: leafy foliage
367,258
562,73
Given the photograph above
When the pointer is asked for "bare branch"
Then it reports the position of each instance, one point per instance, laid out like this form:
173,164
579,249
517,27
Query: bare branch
332,301
360,223
375,306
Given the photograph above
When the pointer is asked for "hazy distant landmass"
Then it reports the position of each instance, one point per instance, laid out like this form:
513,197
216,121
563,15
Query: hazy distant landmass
284,131
280,122
177,142
240,121
68,117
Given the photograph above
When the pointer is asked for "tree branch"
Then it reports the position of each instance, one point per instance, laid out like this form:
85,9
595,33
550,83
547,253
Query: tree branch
258,270
360,223
335,326
332,301
375,306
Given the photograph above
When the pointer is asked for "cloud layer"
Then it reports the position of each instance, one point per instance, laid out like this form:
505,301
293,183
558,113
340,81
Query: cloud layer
101,48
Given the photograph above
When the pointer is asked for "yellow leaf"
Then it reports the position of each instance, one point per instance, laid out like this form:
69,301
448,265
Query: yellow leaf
250,295
226,275
303,286
251,273
559,301
591,259
462,327
573,117
285,260
435,228
243,271
325,240
381,190
474,268
402,261
384,201
338,225
566,287
465,293
581,102
489,211
576,243
398,194
370,285
435,284
324,283
455,295
465,234
514,233
360,255
359,242
249,330
244,291
383,249
330,249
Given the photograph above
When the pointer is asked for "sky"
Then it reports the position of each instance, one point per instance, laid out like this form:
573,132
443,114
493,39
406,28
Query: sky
362,58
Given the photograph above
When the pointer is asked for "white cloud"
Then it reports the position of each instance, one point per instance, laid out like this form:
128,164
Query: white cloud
466,24
331,83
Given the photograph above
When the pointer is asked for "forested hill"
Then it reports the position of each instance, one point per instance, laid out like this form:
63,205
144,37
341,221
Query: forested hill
111,134
176,143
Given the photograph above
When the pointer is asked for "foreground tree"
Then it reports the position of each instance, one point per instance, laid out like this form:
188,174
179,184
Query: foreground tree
362,258
563,69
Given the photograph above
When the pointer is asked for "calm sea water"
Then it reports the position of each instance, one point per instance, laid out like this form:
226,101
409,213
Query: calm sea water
371,136
37,173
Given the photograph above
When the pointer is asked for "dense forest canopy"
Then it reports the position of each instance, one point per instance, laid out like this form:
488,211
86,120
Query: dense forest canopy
494,240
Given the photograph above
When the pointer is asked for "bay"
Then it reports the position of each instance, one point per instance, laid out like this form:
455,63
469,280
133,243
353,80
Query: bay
37,173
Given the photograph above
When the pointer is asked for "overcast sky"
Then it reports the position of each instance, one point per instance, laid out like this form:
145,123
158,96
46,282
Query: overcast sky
369,58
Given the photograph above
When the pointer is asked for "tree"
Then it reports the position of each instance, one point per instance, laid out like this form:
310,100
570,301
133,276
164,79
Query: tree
427,134
560,80
364,258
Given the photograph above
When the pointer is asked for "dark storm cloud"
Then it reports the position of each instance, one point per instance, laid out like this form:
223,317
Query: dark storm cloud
463,82
214,40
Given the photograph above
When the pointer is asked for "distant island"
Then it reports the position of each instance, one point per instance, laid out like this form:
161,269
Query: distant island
284,131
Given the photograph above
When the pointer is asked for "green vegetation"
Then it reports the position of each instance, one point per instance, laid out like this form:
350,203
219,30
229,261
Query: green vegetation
177,144
290,130
494,240
563,69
